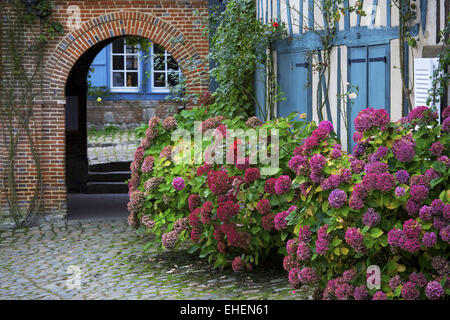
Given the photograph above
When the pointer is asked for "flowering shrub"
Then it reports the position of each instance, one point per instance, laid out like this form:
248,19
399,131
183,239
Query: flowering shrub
387,204
229,213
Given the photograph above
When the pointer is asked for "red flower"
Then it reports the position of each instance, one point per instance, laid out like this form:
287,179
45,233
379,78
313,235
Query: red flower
275,24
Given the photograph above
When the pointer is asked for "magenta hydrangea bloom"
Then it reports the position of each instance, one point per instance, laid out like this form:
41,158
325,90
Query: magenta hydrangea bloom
421,113
193,201
296,161
251,174
437,206
361,293
418,278
147,164
326,125
434,290
169,239
317,161
412,207
303,251
237,264
385,181
289,263
370,181
349,275
343,291
419,193
411,228
304,234
178,183
394,282
291,246
376,167
308,275
405,153
445,233
402,176
371,218
280,220
337,198
355,203
412,245
409,291
293,277
357,165
355,239
399,192
429,239
381,152
426,213
395,237
436,149
263,206
283,184
446,125
269,186
379,295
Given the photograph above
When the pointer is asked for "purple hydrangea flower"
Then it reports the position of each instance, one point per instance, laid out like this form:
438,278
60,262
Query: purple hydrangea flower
436,149
395,282
337,198
445,233
434,290
283,184
304,234
379,295
418,193
178,183
303,252
385,181
355,239
395,237
426,213
402,176
317,161
361,293
371,217
418,278
405,153
399,192
409,291
429,239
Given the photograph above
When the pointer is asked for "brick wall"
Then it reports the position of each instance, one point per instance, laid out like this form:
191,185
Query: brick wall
128,114
160,21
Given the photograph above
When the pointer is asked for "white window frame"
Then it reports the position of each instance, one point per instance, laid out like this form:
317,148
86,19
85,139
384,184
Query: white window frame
111,70
166,88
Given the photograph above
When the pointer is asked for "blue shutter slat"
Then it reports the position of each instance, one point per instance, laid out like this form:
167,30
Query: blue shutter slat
377,77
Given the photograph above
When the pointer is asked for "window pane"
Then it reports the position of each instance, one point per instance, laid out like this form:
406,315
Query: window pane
132,49
132,79
132,63
118,79
174,78
171,63
117,46
117,62
159,80
158,62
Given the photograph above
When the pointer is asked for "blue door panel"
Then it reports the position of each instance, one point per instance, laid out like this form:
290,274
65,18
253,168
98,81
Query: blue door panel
369,70
293,79
377,77
357,64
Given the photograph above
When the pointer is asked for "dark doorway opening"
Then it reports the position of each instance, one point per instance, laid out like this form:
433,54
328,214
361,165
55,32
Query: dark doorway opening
85,201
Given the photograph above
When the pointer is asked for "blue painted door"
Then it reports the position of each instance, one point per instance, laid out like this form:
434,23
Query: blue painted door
99,77
293,75
368,69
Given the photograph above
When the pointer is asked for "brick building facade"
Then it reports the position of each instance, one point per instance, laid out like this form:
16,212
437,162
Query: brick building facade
66,63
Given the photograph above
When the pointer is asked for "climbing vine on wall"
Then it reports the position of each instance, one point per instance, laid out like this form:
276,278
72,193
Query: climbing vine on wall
26,29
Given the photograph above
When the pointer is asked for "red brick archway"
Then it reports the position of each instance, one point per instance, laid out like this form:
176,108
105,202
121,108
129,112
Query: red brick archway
123,23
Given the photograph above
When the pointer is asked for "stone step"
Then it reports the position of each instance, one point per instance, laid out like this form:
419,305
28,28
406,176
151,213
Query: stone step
106,187
115,176
110,166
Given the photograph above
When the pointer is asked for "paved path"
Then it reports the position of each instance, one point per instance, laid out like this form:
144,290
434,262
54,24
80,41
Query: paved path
35,264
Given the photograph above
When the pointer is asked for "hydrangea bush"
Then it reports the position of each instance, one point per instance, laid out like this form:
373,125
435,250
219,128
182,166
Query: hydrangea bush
231,214
387,204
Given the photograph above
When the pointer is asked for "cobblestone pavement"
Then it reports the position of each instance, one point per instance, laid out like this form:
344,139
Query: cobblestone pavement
35,263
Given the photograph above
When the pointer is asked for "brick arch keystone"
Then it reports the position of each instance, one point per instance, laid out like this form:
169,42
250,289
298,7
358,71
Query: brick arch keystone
123,23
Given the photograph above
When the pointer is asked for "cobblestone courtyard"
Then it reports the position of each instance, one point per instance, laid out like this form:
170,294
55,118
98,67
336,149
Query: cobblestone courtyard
35,264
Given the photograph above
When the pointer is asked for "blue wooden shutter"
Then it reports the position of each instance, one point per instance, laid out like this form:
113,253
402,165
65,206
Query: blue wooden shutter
378,97
357,69
293,72
99,78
